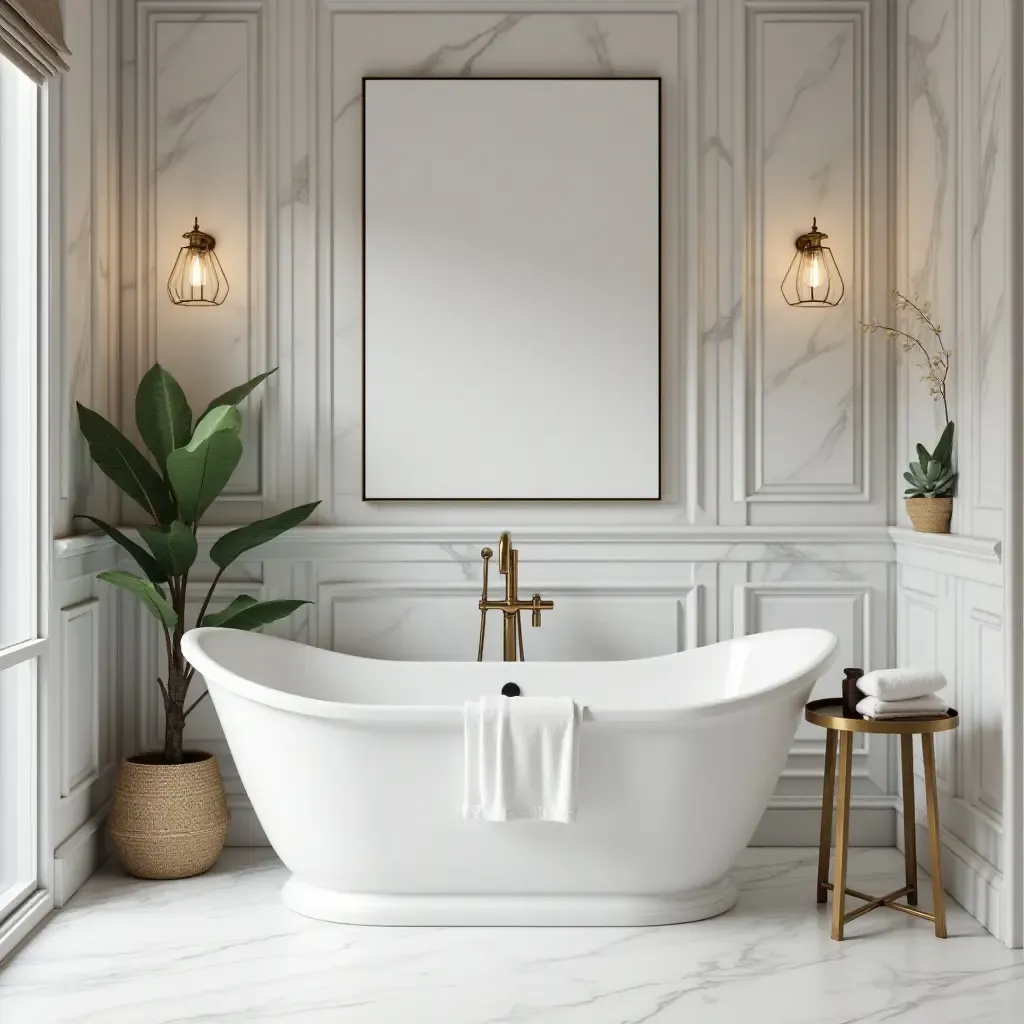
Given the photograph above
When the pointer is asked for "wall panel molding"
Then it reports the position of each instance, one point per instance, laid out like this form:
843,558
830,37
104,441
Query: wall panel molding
84,708
80,696
808,106
196,128
601,38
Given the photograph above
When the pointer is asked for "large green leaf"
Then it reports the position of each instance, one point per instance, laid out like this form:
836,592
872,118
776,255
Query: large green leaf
227,548
235,395
199,474
162,413
126,465
147,563
247,613
223,417
174,546
147,592
240,603
944,449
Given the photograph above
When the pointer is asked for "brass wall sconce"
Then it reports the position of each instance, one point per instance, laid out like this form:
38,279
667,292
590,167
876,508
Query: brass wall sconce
813,279
197,278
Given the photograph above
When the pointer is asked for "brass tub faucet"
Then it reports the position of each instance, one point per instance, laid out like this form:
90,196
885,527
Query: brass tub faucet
511,607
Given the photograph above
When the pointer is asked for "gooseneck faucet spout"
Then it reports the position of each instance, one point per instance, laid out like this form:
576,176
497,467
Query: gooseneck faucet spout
511,606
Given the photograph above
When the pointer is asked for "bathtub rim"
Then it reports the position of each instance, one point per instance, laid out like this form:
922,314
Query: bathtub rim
449,714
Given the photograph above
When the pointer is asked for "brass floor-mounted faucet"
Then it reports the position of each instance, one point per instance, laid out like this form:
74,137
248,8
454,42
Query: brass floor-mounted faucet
512,633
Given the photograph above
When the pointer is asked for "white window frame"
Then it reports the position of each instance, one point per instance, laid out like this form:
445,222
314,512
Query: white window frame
34,899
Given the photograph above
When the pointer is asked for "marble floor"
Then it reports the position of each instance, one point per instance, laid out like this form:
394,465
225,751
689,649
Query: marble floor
223,948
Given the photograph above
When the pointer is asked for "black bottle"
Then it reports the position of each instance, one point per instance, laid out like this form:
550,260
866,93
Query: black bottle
851,692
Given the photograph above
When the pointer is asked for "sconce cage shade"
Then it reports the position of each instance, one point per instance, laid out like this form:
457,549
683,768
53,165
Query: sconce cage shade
197,278
813,279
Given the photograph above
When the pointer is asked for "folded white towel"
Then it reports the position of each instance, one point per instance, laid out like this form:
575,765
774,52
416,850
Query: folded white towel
900,683
522,756
916,707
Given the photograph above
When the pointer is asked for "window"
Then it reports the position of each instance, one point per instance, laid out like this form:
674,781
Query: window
20,480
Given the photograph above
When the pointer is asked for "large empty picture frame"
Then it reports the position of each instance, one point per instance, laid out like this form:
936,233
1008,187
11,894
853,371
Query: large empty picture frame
511,289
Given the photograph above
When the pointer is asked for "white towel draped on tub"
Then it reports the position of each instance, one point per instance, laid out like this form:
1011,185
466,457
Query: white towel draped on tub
522,756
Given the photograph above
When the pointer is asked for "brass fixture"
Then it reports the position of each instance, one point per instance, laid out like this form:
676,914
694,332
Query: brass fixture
197,278
512,633
813,279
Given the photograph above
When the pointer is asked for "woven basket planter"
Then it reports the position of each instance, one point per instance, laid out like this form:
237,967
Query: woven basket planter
930,515
168,820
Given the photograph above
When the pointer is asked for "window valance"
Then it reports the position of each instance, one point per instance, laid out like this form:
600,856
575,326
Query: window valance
32,36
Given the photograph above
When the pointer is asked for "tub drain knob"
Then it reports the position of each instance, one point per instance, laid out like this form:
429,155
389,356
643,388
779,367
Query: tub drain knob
510,690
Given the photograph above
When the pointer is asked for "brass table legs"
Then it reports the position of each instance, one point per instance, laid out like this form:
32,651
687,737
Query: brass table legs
844,763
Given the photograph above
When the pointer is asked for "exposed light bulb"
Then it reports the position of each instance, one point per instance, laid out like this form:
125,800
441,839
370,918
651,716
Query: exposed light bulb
815,274
196,274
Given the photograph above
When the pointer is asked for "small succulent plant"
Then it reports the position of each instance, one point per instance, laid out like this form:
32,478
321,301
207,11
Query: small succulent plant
933,476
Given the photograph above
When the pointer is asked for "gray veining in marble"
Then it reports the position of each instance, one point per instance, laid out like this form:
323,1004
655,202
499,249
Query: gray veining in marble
223,948
922,88
597,39
813,350
716,145
829,442
722,329
813,78
464,54
180,120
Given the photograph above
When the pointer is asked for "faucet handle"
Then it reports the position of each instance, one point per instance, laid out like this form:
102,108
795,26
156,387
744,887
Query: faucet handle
535,617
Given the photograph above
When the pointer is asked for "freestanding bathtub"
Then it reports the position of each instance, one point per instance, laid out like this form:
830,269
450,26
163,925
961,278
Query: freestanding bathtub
355,770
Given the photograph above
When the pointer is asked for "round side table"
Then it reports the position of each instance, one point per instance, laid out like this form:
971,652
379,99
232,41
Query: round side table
841,727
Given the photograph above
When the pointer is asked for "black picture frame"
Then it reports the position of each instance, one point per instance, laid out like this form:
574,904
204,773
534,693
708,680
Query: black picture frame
661,285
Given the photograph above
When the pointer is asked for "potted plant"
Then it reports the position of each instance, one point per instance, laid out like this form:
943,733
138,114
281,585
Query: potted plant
169,816
932,478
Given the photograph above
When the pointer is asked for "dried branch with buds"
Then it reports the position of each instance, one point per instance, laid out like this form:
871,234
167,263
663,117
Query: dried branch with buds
935,366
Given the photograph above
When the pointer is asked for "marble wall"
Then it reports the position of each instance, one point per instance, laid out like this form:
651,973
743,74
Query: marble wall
777,483
955,219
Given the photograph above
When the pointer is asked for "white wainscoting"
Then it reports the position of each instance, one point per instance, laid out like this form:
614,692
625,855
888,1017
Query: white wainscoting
84,737
950,613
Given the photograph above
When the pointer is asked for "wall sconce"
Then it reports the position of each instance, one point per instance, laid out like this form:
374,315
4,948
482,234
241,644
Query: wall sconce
813,279
197,278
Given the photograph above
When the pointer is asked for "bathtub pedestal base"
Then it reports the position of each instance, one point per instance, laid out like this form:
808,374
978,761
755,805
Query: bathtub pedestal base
497,909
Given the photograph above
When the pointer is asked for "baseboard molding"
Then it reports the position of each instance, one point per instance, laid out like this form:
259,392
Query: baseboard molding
244,829
971,880
15,929
79,856
787,822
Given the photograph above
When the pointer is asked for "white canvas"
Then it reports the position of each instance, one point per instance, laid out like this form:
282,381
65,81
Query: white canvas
511,289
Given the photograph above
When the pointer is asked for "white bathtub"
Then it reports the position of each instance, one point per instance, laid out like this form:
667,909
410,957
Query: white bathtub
354,768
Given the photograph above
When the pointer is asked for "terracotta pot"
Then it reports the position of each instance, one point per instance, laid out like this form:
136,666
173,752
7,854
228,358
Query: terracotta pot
930,515
168,820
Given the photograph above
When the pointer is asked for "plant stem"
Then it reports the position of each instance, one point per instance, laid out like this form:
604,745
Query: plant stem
192,707
202,611
174,734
